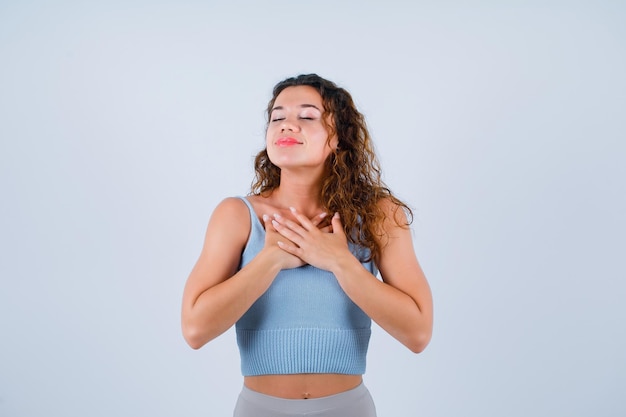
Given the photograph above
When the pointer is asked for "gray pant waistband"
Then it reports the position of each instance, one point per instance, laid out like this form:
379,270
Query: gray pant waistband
357,398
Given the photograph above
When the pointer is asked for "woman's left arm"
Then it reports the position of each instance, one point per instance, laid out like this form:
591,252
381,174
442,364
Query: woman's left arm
402,302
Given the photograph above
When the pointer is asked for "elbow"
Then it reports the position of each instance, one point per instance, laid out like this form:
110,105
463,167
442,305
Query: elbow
417,347
193,343
193,337
418,342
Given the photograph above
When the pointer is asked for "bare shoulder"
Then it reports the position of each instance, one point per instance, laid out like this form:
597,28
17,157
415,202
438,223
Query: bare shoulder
231,206
395,216
226,236
230,220
398,262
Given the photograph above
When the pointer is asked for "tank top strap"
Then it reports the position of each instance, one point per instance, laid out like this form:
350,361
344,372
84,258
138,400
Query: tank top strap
256,239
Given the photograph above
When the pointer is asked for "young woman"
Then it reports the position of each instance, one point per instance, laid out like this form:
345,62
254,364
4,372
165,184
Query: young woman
293,265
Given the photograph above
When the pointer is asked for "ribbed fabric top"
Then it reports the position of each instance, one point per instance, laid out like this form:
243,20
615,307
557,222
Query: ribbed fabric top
303,323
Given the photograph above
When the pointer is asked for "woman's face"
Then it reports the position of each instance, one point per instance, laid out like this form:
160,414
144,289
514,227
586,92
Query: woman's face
297,136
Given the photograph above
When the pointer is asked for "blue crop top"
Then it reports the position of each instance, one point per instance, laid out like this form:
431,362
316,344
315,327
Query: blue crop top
303,323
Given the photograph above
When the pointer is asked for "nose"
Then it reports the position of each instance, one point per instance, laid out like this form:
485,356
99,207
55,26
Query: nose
289,125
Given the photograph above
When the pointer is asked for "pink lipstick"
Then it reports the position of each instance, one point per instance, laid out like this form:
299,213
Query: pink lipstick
287,141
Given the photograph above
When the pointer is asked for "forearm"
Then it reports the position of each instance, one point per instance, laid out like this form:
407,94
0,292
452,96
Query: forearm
219,307
392,309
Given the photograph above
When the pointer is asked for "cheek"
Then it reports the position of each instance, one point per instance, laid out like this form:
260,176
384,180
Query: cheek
332,142
271,156
268,144
269,133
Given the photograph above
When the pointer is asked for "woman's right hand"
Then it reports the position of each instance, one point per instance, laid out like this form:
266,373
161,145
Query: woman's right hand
272,237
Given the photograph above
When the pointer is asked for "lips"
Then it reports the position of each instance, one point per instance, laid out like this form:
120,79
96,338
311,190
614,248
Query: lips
287,141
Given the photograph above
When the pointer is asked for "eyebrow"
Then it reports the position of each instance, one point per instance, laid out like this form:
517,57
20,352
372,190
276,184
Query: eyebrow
302,106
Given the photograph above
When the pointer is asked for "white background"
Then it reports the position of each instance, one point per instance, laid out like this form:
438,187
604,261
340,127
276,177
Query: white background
123,124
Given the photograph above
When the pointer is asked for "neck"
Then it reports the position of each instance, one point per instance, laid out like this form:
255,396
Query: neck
299,192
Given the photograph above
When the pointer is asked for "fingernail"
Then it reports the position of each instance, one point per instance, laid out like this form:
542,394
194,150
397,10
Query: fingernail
323,215
275,223
337,214
293,210
266,217
277,216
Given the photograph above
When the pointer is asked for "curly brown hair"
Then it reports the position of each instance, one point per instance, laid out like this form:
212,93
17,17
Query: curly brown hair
352,185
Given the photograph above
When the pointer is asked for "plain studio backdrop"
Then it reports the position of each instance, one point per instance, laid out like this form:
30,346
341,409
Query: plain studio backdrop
502,124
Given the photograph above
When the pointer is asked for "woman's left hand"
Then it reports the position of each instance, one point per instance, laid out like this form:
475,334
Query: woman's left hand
322,249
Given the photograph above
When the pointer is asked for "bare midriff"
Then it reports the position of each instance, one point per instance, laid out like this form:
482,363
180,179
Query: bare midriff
302,386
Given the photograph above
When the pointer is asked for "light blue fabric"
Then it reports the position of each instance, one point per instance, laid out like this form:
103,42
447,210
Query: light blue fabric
303,323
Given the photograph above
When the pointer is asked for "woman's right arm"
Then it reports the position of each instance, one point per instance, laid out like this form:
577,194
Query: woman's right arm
216,294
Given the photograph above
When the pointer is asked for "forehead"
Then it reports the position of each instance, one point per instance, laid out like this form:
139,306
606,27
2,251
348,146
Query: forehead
299,95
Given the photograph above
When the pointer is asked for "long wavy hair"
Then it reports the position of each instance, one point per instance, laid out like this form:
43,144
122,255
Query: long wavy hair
352,184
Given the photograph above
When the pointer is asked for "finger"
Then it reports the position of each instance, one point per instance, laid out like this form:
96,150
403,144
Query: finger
290,248
336,223
318,219
286,231
286,223
267,221
304,221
